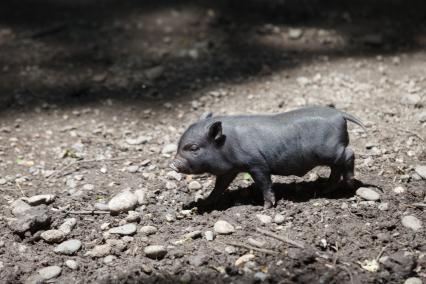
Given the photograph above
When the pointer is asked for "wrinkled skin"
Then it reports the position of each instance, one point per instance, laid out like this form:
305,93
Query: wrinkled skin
290,143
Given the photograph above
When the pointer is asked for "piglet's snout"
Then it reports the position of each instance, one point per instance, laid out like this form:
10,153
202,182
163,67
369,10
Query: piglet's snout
177,165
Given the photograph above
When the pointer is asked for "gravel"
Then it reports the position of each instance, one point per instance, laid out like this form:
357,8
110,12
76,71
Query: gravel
148,230
367,194
41,199
421,171
123,202
68,225
68,247
50,272
128,229
53,236
155,251
411,222
71,264
222,227
264,219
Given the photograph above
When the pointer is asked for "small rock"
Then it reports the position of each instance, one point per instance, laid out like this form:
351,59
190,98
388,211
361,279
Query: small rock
279,219
68,225
399,190
230,249
128,229
256,243
109,259
209,235
194,185
133,216
413,280
132,169
411,99
32,219
123,202
155,251
421,171
41,199
140,195
148,230
411,222
169,149
71,264
170,185
138,141
68,247
367,194
101,206
198,260
303,81
154,73
222,227
88,187
169,217
295,33
53,236
193,235
384,206
261,276
99,251
243,259
50,272
19,207
264,219
3,181
174,175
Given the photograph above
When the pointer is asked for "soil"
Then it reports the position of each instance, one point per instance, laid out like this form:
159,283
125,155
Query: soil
79,78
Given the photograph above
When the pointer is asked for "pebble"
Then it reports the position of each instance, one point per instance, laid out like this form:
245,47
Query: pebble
264,219
411,222
50,272
155,251
261,276
3,181
99,251
256,243
68,225
193,235
295,33
194,185
222,227
169,217
148,230
174,175
40,199
230,249
128,229
421,171
170,185
169,149
123,202
411,99
243,259
109,259
413,280
138,141
33,219
367,194
68,247
209,235
383,206
279,219
88,187
19,207
140,195
399,190
71,264
53,236
132,169
133,216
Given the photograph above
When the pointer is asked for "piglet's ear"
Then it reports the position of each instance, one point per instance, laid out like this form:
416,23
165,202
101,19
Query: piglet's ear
206,115
215,131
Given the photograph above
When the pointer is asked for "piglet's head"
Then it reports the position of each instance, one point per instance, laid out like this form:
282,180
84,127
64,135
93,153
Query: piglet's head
199,148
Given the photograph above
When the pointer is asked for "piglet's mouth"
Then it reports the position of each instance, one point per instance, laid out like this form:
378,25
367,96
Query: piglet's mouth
179,166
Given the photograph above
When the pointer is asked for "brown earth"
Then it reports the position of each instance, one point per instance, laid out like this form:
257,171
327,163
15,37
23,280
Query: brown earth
79,78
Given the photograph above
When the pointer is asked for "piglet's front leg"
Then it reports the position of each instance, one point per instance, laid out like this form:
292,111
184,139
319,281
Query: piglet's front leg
262,179
221,184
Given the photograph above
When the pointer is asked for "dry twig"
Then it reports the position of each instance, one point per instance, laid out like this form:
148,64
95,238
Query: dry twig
281,238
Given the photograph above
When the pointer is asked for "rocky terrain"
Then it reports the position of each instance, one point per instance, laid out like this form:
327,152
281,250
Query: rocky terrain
94,97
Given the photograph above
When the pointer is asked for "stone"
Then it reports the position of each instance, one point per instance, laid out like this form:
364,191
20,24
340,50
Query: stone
399,190
138,141
411,99
109,259
170,185
19,207
261,276
198,260
71,264
413,280
174,175
209,235
53,236
155,251
68,247
50,272
279,219
295,33
421,171
148,230
264,219
33,219
243,259
230,249
367,194
101,206
88,187
127,229
193,235
256,243
194,185
384,206
99,251
411,222
123,202
140,195
41,199
154,73
68,225
169,149
132,169
222,227
133,216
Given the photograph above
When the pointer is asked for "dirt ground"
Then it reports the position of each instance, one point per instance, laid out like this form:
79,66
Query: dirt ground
78,79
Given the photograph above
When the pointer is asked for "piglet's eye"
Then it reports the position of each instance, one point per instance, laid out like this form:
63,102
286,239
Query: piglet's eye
191,147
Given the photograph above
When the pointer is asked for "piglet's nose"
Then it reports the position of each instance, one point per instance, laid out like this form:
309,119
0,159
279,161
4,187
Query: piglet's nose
173,166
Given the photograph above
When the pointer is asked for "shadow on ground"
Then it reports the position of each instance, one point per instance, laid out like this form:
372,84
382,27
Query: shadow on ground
74,52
